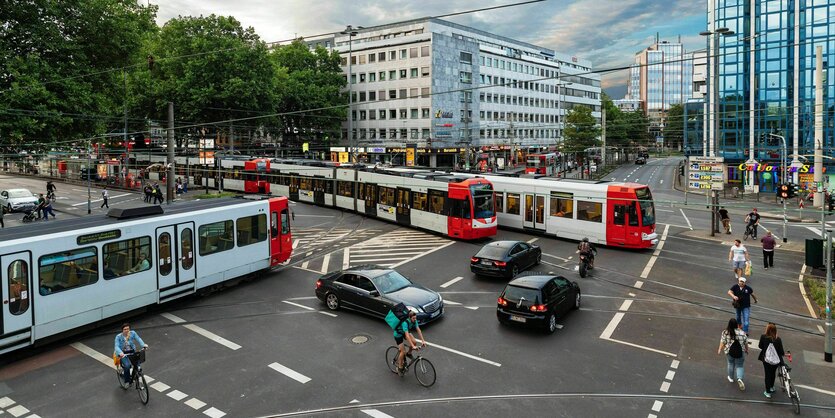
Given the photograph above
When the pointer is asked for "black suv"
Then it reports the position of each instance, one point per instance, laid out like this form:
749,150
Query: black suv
537,301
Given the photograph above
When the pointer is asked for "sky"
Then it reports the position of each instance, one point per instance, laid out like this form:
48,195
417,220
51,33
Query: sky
607,32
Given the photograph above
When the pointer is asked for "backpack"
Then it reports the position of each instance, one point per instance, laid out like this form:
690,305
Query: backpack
584,247
397,315
771,356
736,348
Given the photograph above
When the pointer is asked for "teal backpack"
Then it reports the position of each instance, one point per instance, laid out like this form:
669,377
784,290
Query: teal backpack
397,315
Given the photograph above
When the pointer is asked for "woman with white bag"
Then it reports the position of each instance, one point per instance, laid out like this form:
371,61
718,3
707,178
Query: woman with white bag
771,354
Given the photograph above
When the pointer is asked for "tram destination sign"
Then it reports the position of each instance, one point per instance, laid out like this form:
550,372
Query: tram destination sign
98,236
706,173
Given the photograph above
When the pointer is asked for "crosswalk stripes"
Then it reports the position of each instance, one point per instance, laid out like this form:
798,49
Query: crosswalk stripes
7,405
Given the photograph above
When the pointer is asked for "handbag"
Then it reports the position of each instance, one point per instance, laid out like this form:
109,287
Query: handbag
737,304
748,269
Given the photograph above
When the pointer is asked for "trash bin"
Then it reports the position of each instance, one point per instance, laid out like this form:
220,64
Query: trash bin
735,192
814,252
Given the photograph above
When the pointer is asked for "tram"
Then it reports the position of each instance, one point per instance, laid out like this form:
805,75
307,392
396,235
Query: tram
544,164
609,213
60,276
456,206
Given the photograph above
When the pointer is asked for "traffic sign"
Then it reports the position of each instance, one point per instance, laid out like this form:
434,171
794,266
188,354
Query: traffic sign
706,173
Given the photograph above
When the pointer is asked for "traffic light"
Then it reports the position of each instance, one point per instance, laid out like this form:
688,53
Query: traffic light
681,170
784,191
794,189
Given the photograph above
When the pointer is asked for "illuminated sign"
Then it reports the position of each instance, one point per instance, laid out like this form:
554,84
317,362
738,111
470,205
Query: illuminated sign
440,114
806,168
100,236
377,150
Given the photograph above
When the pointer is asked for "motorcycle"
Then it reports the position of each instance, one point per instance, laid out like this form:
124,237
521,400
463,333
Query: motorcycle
585,265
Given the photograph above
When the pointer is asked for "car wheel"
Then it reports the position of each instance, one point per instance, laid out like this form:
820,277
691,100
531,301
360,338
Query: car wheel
538,259
577,300
332,301
552,324
514,271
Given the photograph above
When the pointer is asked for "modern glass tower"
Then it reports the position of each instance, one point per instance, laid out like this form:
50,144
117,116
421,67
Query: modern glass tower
766,88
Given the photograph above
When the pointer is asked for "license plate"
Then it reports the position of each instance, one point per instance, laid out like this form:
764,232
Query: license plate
486,262
518,318
434,314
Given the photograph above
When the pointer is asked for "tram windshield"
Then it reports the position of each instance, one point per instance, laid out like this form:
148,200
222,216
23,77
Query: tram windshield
647,206
483,201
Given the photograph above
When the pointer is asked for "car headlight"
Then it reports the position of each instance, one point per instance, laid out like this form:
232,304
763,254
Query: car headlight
416,308
440,298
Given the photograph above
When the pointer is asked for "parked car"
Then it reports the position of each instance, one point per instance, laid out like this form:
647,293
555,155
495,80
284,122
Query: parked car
640,160
505,258
374,290
537,301
18,200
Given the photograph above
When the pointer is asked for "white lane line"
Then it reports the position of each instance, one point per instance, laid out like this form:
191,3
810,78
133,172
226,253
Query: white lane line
816,231
315,216
666,353
532,240
689,225
332,315
160,387
613,324
665,387
214,413
452,282
290,373
825,392
423,254
101,358
325,262
674,364
449,302
664,210
346,259
195,403
375,413
202,331
472,308
6,402
298,305
557,257
176,395
18,410
295,243
670,375
470,356
803,292
305,264
657,406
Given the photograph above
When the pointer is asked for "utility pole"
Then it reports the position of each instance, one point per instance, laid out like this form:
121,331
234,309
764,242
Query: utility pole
231,138
170,183
125,134
819,200
603,137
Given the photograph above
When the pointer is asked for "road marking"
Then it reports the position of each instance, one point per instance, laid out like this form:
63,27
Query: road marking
670,375
315,216
202,331
18,410
176,395
295,243
613,324
675,364
346,258
664,210
214,413
558,258
423,254
375,413
685,218
657,406
290,373
195,403
452,282
805,296
825,392
816,231
665,387
101,358
160,387
470,356
325,262
332,315
298,305
6,402
471,307
532,240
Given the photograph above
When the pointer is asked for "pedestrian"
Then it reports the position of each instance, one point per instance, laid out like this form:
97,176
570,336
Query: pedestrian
293,214
40,205
735,345
2,211
753,220
768,250
104,197
738,256
148,192
47,209
726,219
771,354
158,194
742,295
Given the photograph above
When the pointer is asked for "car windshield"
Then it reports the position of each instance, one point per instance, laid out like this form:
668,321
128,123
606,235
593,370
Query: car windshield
515,294
492,251
647,206
482,201
390,282
20,193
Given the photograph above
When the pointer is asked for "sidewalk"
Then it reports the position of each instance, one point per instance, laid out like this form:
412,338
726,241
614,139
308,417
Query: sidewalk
728,240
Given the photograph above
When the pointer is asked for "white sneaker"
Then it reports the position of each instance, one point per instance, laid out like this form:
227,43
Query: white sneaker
730,379
741,384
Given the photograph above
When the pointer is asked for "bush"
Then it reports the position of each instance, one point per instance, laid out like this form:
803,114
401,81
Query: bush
217,195
816,290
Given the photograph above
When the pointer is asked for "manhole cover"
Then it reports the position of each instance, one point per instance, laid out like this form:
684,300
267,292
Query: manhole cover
360,339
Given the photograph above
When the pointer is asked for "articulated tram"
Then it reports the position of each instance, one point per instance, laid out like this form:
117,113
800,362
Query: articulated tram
62,275
456,206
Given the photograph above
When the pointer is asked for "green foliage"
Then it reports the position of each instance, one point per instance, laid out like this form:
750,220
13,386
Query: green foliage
581,130
816,289
674,125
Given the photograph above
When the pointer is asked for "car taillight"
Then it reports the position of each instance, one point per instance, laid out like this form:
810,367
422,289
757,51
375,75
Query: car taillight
539,308
474,259
499,263
318,284
502,301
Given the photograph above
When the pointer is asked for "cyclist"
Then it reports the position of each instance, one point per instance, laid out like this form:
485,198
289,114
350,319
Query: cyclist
588,249
753,219
403,335
50,189
126,343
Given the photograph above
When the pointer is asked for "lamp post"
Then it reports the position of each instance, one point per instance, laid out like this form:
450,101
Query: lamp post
351,32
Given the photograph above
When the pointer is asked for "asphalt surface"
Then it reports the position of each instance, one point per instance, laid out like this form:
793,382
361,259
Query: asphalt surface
643,343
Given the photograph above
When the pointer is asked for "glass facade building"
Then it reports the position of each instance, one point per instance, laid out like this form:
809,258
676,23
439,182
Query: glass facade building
775,40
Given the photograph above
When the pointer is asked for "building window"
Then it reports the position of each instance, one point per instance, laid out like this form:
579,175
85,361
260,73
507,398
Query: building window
372,58
381,56
424,51
362,96
403,113
562,205
363,115
392,75
424,134
424,92
372,77
382,76
392,113
403,93
413,72
413,113
413,92
362,59
465,77
402,73
424,113
382,114
403,134
392,55
402,54
353,79
413,52
424,71
466,57
382,134
392,94
372,96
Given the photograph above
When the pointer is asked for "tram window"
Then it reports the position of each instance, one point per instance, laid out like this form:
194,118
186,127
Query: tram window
305,183
562,205
589,211
251,229
499,202
165,264
633,214
619,215
419,201
18,274
284,180
274,224
370,193
360,192
215,237
345,188
437,201
285,222
513,204
386,196
67,270
460,208
125,257
328,186
187,245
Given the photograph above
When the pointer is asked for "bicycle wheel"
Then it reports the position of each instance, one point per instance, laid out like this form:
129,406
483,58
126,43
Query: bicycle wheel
425,372
391,358
121,380
142,389
794,397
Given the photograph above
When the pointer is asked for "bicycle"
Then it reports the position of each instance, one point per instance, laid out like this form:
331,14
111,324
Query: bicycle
787,386
749,231
137,376
424,370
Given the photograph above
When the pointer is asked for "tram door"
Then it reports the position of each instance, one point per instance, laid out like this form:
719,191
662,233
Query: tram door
16,319
294,187
534,211
319,191
175,260
404,206
370,199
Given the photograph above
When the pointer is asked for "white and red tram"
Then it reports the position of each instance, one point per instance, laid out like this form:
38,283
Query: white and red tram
544,164
64,275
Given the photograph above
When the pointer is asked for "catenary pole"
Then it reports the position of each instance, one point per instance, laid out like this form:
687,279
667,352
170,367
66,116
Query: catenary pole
170,183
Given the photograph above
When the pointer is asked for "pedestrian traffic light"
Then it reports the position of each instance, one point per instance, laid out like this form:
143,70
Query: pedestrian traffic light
794,189
783,191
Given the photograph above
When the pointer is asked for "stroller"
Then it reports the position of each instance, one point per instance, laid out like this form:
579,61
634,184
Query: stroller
31,215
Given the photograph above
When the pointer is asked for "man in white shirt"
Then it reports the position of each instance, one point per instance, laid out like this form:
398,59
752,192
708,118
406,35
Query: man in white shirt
738,256
104,196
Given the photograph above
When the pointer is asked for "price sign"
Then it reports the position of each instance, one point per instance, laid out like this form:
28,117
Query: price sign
706,173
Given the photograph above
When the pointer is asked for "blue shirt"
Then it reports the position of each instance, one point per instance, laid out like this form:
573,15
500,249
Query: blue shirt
122,344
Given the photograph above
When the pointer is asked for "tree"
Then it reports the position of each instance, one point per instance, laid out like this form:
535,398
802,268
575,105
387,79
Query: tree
60,67
616,130
581,130
674,126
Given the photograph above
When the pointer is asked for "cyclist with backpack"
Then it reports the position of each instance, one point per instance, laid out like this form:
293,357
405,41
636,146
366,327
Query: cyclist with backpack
586,248
404,323
734,343
771,354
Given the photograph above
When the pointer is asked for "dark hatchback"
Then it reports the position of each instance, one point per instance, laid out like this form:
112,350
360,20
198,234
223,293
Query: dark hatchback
373,290
640,160
537,301
505,258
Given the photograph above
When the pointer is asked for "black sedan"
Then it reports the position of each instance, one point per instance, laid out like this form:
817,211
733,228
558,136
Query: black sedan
373,290
505,258
537,301
640,160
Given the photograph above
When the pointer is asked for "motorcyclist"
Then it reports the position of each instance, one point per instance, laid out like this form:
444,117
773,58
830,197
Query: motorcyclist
587,249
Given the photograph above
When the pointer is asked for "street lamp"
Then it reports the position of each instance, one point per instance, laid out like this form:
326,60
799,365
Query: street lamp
351,32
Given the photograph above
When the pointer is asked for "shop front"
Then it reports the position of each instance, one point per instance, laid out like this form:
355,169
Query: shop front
767,177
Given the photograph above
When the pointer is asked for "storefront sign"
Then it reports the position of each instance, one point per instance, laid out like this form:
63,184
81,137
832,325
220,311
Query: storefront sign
410,157
444,125
338,149
452,150
343,157
377,150
706,173
443,134
805,168
440,114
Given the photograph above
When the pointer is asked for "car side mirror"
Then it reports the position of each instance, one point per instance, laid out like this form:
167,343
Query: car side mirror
374,293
